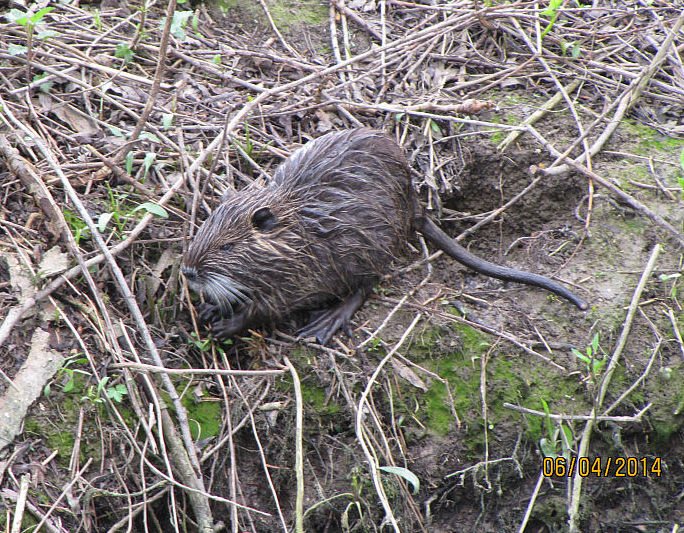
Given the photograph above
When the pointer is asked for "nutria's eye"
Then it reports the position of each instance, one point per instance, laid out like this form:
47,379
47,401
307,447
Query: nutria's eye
227,247
263,219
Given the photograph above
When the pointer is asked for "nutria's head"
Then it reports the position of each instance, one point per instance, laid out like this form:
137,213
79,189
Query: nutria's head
237,254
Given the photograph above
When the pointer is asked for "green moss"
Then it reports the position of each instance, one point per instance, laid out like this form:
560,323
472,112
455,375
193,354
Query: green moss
666,415
509,379
648,138
56,426
285,13
316,397
56,437
204,416
460,369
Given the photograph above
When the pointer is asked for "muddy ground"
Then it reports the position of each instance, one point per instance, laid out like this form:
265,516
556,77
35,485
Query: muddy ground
490,385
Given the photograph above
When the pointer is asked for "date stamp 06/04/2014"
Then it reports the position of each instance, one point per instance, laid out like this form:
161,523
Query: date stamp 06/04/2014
602,466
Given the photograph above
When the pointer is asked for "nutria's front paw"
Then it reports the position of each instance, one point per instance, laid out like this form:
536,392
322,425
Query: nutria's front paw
209,313
227,327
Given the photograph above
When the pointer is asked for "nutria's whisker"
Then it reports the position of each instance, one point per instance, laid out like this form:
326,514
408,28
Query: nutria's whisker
235,290
225,292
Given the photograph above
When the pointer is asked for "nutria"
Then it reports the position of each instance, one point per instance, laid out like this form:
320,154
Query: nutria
332,220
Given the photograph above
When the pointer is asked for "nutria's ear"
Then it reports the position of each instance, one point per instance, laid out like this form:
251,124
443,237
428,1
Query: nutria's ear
263,219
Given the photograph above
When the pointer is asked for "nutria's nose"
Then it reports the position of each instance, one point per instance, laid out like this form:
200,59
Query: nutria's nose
189,273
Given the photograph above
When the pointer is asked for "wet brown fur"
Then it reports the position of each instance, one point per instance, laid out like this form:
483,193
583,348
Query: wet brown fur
340,207
318,236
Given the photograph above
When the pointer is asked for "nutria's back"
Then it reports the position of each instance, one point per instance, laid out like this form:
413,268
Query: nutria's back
332,220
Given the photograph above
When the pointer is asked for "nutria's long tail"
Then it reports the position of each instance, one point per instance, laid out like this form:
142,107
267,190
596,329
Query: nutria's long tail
440,239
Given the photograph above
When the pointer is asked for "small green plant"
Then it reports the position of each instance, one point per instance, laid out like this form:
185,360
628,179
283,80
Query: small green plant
31,21
97,20
38,279
66,370
46,86
167,121
124,52
434,127
120,216
117,213
591,359
205,344
115,393
77,226
574,48
201,345
558,442
552,12
676,277
178,24
248,146
374,345
404,473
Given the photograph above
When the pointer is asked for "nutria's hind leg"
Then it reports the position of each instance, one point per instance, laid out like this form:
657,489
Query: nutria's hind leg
329,321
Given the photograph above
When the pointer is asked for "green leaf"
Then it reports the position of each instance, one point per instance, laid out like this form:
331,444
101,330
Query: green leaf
153,208
117,393
167,120
594,343
116,131
549,424
545,406
129,163
149,159
46,34
576,51
216,60
568,433
47,86
102,221
405,473
69,384
123,52
547,447
552,9
681,161
101,384
149,136
16,49
580,355
180,20
17,16
40,14
567,442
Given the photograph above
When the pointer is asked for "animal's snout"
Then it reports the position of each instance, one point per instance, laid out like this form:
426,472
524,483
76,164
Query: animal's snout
189,272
